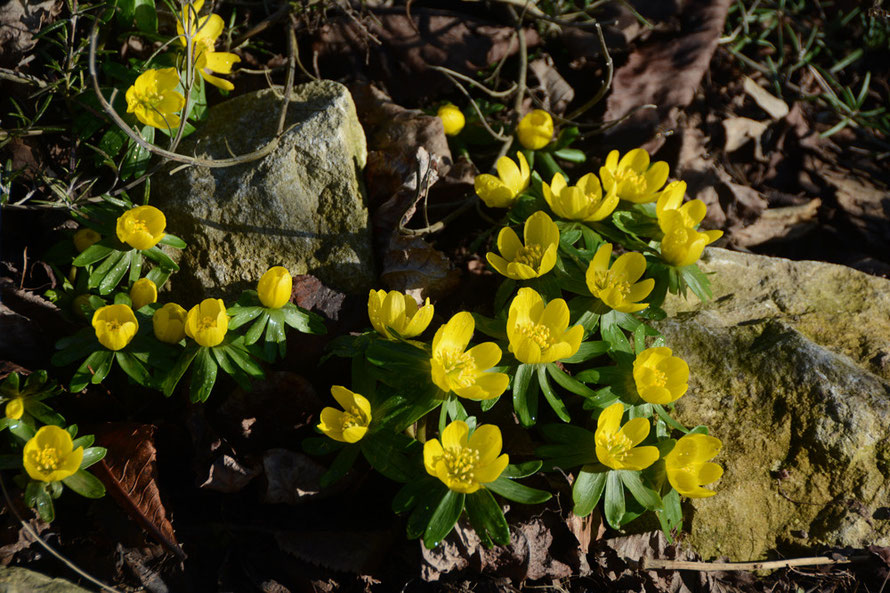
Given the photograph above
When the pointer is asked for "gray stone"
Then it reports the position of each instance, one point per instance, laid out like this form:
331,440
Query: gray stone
21,580
790,364
301,207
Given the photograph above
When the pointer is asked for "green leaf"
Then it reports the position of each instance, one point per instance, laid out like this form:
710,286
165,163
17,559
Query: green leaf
340,466
525,394
87,369
44,413
241,315
444,517
390,454
275,328
495,328
521,470
92,455
10,461
203,376
487,518
587,351
666,418
98,275
426,505
21,430
321,445
41,501
503,294
550,395
587,490
256,330
303,321
110,281
408,496
614,505
146,16
133,368
160,258
92,254
569,383
245,362
572,155
179,368
85,484
642,493
173,241
517,492
671,517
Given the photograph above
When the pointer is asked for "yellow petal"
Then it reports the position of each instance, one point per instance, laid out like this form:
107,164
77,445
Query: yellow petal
601,258
455,435
540,230
508,243
509,173
636,430
487,386
709,472
486,439
656,176
485,355
555,316
432,452
629,266
640,457
610,419
344,397
492,471
354,434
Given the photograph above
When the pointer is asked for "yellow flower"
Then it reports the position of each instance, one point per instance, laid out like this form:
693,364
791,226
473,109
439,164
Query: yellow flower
154,99
632,178
141,227
399,312
15,408
275,287
502,191
682,245
465,464
535,130
168,323
115,326
50,455
536,257
207,323
144,292
617,286
350,425
453,119
454,368
584,202
84,238
671,199
616,445
687,465
204,32
660,377
540,334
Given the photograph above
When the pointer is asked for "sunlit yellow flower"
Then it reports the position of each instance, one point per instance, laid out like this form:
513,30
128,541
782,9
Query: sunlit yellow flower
144,292
660,377
154,98
84,238
632,178
617,286
687,465
15,408
350,425
466,463
671,198
502,191
115,326
204,32
584,202
207,323
168,323
399,312
50,455
616,445
535,130
683,245
453,119
536,257
141,227
541,334
454,368
275,287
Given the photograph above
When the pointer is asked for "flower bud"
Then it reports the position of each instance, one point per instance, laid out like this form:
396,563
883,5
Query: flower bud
275,287
207,323
169,323
452,119
144,292
535,130
141,227
115,326
85,238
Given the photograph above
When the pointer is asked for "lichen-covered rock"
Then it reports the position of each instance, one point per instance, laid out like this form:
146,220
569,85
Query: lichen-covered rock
301,207
21,580
790,365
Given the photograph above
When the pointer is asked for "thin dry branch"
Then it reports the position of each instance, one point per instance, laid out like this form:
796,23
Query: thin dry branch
658,564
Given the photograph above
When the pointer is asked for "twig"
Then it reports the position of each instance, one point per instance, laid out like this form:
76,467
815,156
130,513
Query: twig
482,119
610,69
21,77
262,25
658,564
478,85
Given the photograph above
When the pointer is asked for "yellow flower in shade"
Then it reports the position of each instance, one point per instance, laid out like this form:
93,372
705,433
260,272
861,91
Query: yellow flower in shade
144,292
535,258
275,287
399,312
350,425
535,130
207,323
632,178
683,245
541,334
81,307
688,466
204,32
141,227
154,98
502,191
168,323
50,455
84,238
583,202
464,462
15,408
454,368
660,377
617,286
115,326
616,445
453,119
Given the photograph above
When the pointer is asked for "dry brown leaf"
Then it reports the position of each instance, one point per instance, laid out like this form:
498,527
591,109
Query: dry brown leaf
311,294
741,130
20,20
556,92
228,475
129,471
786,224
413,266
775,107
357,552
292,478
864,204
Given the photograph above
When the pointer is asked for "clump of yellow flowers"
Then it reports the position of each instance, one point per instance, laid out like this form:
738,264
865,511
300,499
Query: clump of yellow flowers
579,288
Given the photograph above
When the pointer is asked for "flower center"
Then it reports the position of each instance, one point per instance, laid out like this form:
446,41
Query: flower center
461,463
46,459
113,325
353,417
539,334
630,181
459,367
604,280
530,255
206,322
658,377
616,444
